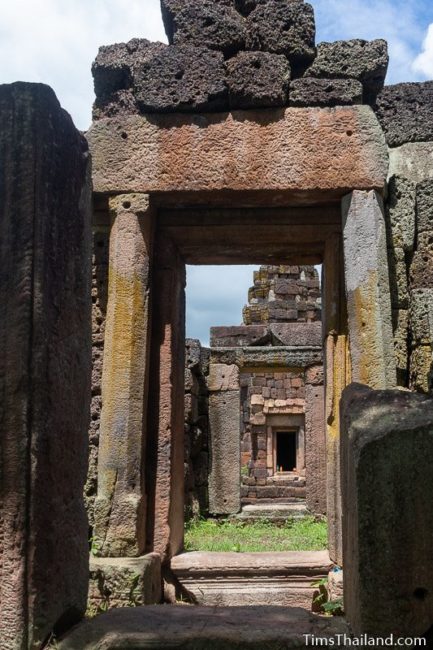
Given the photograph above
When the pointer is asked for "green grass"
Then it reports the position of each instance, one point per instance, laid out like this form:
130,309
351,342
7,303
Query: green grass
306,534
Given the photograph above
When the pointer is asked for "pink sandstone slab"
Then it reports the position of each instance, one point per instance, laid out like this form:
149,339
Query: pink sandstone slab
297,154
202,628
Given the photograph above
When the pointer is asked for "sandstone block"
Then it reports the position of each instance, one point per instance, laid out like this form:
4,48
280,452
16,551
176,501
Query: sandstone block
401,340
121,501
366,61
368,291
124,582
413,160
158,154
387,434
223,377
45,365
405,112
315,449
421,269
398,278
421,316
424,206
224,476
283,28
181,78
314,375
421,369
258,79
296,334
401,213
166,402
238,336
204,23
325,92
222,628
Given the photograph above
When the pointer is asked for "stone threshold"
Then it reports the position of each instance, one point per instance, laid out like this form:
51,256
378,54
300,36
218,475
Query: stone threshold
274,511
226,579
202,628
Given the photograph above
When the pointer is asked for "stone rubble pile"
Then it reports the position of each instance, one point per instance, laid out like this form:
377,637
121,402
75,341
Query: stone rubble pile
236,54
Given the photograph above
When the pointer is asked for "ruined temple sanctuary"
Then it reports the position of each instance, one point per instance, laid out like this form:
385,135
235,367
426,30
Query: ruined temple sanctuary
256,436
241,141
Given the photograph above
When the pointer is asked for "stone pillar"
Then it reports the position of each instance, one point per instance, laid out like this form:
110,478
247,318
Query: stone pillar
368,290
166,416
225,439
120,506
387,480
337,376
45,366
315,441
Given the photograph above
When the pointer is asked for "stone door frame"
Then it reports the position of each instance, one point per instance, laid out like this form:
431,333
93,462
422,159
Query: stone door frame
140,472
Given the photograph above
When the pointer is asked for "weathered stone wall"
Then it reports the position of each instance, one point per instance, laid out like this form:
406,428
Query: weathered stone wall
99,310
405,112
45,366
230,55
283,294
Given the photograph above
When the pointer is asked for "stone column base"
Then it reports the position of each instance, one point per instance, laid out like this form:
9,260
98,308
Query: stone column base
124,582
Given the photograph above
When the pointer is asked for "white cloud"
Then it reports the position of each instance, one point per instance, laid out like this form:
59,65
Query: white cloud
55,42
424,61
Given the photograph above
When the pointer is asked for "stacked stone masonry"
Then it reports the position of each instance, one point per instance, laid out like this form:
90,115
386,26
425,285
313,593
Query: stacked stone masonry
235,54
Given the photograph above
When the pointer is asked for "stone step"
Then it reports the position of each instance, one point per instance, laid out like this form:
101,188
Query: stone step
273,511
272,492
222,579
203,628
291,480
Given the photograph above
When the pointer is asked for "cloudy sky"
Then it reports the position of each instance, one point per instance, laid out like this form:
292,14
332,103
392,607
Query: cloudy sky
55,41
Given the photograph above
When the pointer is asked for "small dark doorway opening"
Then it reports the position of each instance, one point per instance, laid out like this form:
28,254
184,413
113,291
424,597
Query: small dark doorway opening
286,450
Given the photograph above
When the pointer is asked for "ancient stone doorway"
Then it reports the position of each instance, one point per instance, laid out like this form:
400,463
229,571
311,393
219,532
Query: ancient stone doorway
286,450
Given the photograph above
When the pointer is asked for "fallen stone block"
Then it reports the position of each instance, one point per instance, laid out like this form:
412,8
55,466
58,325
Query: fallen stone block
258,79
366,61
204,23
405,112
325,92
182,78
283,28
387,479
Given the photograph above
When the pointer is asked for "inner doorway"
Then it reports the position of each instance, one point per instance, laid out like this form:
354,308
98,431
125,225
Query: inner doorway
286,446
